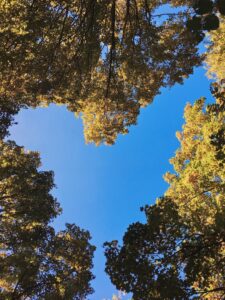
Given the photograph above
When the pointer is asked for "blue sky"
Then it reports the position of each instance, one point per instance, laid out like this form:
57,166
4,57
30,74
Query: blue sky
102,188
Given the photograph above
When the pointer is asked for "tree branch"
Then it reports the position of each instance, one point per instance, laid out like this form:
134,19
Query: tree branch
112,49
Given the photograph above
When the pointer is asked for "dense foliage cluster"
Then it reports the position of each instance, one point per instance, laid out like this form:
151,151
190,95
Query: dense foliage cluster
102,59
35,261
206,17
215,57
179,252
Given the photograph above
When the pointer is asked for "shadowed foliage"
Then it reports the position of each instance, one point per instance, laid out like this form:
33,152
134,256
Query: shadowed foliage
179,252
35,261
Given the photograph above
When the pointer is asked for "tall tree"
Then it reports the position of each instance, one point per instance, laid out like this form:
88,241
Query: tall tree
102,59
198,181
36,262
179,252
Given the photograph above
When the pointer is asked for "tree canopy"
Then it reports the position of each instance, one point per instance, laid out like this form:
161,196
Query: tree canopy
35,261
179,252
102,59
215,57
105,60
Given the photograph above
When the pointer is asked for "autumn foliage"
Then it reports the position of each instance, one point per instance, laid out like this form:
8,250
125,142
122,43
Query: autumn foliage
179,253
105,60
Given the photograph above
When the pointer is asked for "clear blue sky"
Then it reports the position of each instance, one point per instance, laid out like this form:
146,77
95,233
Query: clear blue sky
102,188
